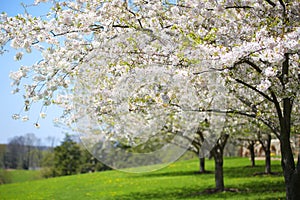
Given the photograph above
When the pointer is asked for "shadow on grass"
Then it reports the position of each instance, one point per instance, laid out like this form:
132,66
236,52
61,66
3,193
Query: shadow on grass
177,173
251,190
259,171
232,172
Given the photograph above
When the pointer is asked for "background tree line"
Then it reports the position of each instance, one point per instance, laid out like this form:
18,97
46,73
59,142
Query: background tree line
70,158
27,153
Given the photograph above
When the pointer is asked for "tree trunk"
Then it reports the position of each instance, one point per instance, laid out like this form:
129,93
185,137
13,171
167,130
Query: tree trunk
268,156
268,162
217,153
252,153
219,178
202,165
290,171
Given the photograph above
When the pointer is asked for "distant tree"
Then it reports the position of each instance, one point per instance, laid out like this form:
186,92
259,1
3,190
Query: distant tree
90,163
67,157
47,164
251,131
51,142
33,153
23,152
2,152
15,153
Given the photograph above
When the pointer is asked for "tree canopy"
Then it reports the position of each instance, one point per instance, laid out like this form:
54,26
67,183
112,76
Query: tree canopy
251,45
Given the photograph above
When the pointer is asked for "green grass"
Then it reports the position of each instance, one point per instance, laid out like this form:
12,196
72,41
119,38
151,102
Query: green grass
18,176
177,181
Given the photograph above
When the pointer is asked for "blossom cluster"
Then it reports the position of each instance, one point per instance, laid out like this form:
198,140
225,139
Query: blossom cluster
105,40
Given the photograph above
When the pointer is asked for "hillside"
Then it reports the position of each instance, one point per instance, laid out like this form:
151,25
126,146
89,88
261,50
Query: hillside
177,181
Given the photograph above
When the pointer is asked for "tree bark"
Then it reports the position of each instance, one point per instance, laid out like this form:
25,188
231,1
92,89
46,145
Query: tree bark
202,165
268,156
219,177
252,153
217,153
266,146
290,171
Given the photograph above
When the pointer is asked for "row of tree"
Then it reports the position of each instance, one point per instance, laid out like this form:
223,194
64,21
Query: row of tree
68,158
23,152
252,46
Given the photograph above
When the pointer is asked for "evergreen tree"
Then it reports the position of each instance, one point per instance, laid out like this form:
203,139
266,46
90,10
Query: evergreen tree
67,157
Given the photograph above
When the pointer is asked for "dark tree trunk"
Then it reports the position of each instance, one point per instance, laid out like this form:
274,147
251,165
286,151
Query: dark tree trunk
266,146
202,165
219,178
268,156
284,111
252,153
217,153
290,171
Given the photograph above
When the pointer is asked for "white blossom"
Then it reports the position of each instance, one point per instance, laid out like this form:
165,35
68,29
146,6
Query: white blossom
270,72
96,45
25,118
43,115
264,85
18,56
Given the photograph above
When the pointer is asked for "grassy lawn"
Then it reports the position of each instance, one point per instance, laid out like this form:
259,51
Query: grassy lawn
177,181
18,176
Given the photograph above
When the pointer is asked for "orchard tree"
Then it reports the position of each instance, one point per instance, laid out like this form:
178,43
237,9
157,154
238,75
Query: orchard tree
254,44
251,131
197,144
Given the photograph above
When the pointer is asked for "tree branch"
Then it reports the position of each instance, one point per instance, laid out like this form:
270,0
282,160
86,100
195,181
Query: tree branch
253,65
271,3
254,89
238,7
227,112
283,5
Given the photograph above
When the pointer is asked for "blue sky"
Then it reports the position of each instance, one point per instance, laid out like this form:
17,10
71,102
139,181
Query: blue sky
11,104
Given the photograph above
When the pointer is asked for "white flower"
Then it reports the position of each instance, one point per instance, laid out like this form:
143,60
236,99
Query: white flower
96,44
16,116
175,10
18,56
270,72
165,98
56,120
16,76
15,91
25,118
43,115
15,44
39,1
264,85
67,20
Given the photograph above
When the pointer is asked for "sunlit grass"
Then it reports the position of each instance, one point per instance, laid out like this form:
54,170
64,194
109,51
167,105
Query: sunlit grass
177,181
18,176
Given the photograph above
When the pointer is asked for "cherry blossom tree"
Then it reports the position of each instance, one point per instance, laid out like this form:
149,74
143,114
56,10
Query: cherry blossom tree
254,44
249,131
